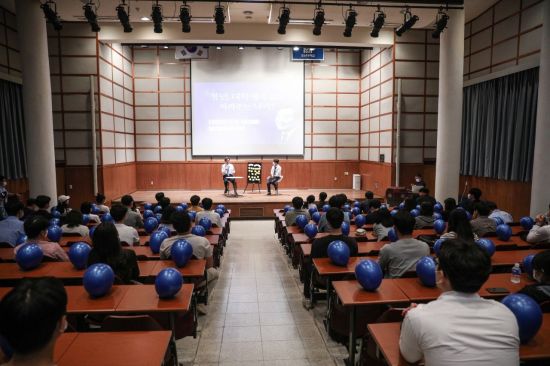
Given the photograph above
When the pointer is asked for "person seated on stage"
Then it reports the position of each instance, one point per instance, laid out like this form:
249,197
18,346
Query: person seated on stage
540,232
495,212
459,227
365,205
32,317
336,201
474,197
100,203
127,234
165,220
322,200
401,256
372,213
73,224
86,209
426,217
448,206
36,229
460,327
382,224
106,248
133,217
158,197
208,212
482,224
310,202
43,203
275,176
540,291
195,200
228,171
319,247
290,217
12,226
424,196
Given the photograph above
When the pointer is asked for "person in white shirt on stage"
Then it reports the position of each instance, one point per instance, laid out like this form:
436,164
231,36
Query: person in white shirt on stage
228,171
275,176
460,327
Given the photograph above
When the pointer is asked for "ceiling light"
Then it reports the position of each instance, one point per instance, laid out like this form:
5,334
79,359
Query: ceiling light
296,48
165,46
241,47
91,16
185,18
123,13
219,18
318,19
351,19
408,22
284,18
51,14
145,19
440,23
156,15
377,22
218,47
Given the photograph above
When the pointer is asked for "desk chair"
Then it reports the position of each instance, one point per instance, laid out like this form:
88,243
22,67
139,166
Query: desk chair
277,185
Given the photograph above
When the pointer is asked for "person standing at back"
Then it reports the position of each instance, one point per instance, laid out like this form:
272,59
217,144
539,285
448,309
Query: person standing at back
460,327
208,212
275,176
133,217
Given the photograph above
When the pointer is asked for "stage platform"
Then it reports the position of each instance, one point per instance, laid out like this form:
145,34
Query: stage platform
247,205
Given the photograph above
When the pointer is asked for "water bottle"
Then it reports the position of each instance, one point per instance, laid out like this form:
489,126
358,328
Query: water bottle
516,274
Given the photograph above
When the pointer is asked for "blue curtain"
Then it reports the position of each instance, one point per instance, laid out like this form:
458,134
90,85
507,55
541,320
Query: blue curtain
13,156
498,127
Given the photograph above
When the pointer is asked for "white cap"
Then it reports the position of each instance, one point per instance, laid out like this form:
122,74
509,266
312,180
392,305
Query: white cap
63,198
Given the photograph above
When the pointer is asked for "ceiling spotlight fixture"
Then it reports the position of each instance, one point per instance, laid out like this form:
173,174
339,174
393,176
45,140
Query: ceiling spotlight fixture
156,15
440,23
145,19
296,48
50,12
241,48
318,19
91,16
218,47
377,22
185,17
284,18
408,22
219,18
351,19
123,13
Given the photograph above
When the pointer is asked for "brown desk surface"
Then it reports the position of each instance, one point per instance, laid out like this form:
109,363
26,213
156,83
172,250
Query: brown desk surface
193,268
116,348
325,267
351,293
538,347
514,240
503,280
80,302
509,257
212,238
364,248
301,238
62,345
145,299
66,240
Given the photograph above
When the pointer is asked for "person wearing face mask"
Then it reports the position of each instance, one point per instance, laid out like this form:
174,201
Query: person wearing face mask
474,197
418,183
275,176
540,291
460,327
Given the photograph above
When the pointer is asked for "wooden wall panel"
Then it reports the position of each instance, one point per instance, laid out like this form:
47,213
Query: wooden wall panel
376,177
118,180
19,186
80,178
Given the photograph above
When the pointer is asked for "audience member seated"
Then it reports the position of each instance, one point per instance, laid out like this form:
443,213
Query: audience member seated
166,219
3,196
133,217
460,327
372,214
127,234
540,232
43,204
459,227
383,224
410,204
448,206
424,197
30,208
336,201
195,200
12,226
365,205
86,209
32,317
319,248
208,212
322,200
482,224
310,202
73,224
401,256
159,196
36,228
290,217
495,212
540,291
100,203
426,217
164,202
63,205
474,197
106,248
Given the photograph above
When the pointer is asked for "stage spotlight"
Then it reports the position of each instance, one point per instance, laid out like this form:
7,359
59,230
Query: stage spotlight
351,19
377,22
51,14
440,23
185,18
156,15
91,16
296,48
123,13
219,18
408,22
284,18
318,19
218,47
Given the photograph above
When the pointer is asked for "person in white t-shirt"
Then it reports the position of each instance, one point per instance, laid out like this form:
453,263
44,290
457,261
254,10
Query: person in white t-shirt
208,212
73,224
86,209
100,203
228,171
127,234
460,327
275,176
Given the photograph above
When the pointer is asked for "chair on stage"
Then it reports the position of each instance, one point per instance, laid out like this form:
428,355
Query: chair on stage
276,185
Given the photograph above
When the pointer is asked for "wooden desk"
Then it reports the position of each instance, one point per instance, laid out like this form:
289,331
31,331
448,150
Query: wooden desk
117,348
66,241
140,299
325,267
363,249
195,268
503,280
509,257
80,302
